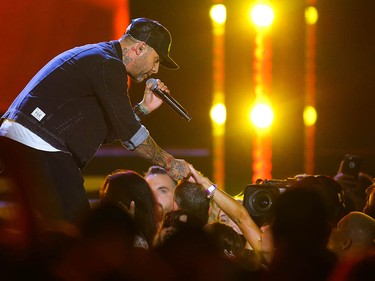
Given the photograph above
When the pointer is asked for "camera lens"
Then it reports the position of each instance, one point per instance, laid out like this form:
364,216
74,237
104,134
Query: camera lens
259,200
262,201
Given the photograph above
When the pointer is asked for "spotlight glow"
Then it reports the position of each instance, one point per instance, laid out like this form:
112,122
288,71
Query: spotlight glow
309,116
218,113
311,15
262,116
218,13
262,15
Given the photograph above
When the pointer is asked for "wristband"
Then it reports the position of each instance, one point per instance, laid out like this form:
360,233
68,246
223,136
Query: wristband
211,190
140,111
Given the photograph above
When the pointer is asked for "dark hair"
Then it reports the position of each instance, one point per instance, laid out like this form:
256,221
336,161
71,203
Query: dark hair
157,170
109,219
226,239
192,198
124,186
301,218
173,219
332,194
180,221
153,170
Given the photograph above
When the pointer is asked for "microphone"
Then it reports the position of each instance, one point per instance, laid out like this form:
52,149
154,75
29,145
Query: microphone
168,99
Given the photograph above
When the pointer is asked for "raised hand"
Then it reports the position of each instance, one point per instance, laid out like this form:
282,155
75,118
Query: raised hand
151,101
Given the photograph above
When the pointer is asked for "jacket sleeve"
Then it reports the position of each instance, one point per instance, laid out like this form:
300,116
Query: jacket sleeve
110,86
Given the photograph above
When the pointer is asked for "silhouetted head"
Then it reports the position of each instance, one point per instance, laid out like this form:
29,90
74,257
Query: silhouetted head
125,186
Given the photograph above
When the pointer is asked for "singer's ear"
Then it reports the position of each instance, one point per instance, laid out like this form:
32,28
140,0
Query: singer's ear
141,47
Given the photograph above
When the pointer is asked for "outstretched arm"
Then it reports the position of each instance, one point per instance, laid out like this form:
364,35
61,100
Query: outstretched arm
234,210
176,168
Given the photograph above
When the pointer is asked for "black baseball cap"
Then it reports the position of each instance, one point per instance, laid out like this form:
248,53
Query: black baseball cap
156,36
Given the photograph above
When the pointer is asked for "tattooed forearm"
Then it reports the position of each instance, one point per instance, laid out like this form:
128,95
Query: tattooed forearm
177,169
152,152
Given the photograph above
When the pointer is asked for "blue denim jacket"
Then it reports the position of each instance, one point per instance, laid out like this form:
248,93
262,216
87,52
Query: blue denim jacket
79,101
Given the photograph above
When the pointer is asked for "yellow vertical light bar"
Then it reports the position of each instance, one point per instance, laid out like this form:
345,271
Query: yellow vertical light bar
262,145
311,17
218,112
262,78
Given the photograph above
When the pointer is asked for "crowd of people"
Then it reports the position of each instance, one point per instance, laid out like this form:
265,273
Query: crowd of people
171,223
150,227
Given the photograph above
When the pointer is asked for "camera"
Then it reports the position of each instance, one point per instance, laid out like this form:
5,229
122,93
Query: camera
259,198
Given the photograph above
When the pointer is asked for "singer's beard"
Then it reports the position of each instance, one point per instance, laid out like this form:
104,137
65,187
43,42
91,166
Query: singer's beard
138,73
138,78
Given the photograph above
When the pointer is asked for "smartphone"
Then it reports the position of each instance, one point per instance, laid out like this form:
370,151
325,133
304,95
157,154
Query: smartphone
350,166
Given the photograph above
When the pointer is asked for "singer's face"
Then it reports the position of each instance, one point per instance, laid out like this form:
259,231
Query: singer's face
144,65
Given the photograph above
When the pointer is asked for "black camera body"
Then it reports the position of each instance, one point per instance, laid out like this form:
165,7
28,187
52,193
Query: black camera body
259,198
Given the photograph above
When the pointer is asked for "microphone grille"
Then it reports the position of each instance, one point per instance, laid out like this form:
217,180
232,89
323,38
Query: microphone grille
153,83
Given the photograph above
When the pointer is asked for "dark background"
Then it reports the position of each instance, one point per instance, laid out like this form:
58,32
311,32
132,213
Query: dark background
32,32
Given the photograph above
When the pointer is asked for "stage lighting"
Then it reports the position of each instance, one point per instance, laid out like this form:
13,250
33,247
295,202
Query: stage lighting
262,115
218,13
218,113
262,15
309,116
311,15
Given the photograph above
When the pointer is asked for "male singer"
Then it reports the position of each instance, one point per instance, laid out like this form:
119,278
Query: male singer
73,105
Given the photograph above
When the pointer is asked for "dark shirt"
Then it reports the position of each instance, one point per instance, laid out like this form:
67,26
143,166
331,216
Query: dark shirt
79,101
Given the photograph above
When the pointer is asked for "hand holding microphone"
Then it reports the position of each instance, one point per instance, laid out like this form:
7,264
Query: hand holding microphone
168,99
